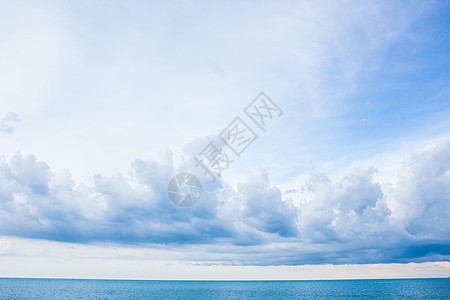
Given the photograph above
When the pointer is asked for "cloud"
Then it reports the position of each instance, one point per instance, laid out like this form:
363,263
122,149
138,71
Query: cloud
423,194
37,203
7,123
263,208
352,208
352,220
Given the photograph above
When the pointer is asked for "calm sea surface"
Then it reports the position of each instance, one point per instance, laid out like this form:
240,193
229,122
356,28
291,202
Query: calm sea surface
143,289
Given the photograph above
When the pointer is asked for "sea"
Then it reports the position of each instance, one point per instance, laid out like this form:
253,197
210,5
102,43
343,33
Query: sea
15,288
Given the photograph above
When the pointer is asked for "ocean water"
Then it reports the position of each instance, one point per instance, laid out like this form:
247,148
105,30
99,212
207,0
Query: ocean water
145,289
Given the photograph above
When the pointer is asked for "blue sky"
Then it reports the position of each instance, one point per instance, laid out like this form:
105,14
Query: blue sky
101,103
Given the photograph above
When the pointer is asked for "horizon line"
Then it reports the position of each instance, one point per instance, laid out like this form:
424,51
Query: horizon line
221,280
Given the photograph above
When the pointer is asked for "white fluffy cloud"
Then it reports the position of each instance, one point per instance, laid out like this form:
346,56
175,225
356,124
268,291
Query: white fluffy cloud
422,195
352,220
350,209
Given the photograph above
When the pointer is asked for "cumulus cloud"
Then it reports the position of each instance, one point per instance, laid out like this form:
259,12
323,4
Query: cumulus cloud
7,123
422,195
352,220
37,203
352,208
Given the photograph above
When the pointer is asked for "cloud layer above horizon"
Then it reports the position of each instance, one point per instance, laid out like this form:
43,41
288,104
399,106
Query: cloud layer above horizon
352,220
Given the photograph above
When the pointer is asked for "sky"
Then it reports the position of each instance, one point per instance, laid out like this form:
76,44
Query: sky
102,103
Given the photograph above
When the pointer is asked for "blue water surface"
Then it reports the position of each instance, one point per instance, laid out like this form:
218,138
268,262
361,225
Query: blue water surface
12,288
